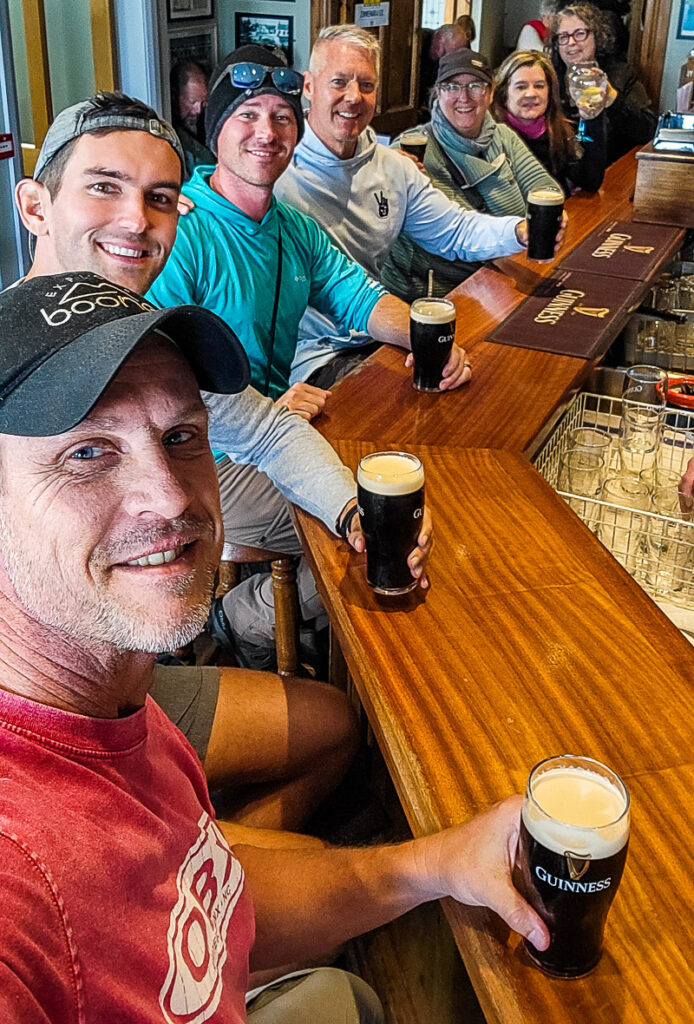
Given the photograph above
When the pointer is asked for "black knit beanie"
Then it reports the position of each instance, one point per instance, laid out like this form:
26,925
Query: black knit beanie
224,98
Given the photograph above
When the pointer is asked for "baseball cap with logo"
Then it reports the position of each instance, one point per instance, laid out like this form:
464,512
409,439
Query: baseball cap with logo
94,114
464,62
65,336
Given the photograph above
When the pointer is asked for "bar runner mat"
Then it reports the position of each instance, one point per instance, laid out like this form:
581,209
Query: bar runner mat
570,314
622,248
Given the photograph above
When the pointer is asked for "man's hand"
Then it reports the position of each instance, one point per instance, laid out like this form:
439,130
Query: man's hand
304,399
417,559
522,232
184,205
473,863
457,370
686,488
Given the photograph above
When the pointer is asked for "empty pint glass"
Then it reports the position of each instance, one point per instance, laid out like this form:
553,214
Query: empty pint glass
414,142
390,495
545,207
432,330
573,845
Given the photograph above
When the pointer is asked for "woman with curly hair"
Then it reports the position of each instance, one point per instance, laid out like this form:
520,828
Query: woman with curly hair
583,33
526,98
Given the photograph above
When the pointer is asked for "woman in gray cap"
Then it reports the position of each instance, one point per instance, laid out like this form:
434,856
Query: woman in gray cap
475,161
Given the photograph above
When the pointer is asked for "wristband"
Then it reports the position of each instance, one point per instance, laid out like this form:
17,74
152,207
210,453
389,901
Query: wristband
344,527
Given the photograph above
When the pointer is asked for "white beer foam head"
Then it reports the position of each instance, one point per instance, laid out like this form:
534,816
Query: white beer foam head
415,137
545,196
390,473
432,311
578,810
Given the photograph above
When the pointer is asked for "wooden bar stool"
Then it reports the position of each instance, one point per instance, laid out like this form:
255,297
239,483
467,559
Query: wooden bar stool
284,592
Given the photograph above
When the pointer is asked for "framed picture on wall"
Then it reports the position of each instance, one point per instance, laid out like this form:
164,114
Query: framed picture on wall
685,29
182,9
198,44
271,30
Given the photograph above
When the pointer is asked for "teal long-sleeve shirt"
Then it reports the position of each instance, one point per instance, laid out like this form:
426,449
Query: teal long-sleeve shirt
227,262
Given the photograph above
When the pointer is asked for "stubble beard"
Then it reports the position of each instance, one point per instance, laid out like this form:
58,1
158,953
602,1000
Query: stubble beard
106,618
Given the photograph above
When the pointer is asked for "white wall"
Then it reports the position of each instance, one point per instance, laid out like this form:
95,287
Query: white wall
675,55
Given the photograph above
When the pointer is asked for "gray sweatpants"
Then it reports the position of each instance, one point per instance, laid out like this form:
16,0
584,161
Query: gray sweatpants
255,513
323,996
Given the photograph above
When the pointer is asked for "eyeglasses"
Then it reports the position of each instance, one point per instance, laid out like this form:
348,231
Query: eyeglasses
251,76
473,89
578,36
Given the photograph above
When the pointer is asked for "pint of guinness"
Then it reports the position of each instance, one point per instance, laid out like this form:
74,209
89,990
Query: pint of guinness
573,845
390,495
414,142
545,206
432,330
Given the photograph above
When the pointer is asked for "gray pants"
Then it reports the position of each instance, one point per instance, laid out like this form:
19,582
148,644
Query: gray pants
255,513
323,996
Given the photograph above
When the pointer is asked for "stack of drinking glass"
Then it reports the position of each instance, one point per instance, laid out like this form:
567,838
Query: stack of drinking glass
666,342
620,468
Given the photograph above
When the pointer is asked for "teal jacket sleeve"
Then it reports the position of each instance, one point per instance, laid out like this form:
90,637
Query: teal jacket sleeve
340,288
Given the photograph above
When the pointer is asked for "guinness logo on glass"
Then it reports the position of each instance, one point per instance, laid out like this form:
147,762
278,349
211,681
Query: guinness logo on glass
577,865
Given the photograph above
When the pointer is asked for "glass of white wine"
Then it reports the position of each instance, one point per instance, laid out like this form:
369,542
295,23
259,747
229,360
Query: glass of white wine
588,89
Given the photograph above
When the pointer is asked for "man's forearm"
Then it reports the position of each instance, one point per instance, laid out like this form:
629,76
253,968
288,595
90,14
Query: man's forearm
301,463
390,322
307,902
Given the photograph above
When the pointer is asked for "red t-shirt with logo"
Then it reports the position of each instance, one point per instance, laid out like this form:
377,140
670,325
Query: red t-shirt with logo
120,900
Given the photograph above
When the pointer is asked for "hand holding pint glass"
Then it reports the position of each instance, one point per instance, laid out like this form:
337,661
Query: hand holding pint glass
544,217
572,850
390,496
432,333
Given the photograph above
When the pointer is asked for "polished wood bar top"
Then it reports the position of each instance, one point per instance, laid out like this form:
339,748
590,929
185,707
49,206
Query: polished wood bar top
531,641
514,392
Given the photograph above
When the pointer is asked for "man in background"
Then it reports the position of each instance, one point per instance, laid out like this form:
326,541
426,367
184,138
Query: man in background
188,102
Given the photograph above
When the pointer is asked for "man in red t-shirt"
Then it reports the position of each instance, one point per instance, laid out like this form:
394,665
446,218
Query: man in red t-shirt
120,900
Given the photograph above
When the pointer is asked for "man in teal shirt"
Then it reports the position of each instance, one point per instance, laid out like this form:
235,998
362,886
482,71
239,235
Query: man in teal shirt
256,262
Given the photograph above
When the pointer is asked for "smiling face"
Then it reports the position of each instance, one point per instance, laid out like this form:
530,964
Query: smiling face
257,140
464,109
528,93
112,530
342,92
115,211
574,51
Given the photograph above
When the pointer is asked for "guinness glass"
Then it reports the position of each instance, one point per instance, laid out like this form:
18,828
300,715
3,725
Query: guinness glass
414,142
432,330
573,845
545,206
390,495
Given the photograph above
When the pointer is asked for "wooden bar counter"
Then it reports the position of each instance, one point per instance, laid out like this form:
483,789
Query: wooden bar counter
514,391
531,641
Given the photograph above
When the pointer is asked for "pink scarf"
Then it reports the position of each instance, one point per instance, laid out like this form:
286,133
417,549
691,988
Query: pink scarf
533,129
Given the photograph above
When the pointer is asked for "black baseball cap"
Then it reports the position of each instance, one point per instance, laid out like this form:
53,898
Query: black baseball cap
464,62
65,336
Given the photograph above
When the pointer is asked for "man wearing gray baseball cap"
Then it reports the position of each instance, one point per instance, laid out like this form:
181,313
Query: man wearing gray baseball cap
120,898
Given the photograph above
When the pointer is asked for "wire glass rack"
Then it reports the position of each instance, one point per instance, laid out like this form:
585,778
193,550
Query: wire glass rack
657,550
